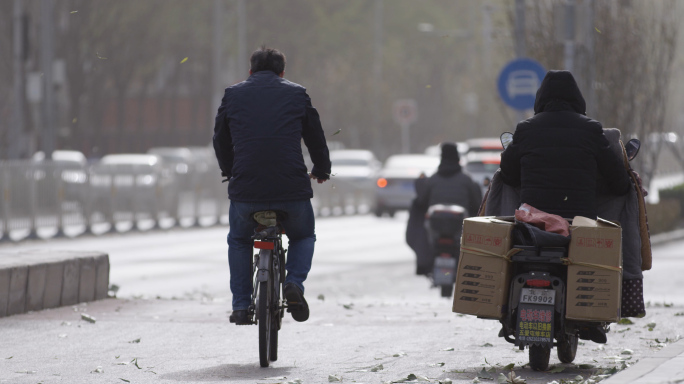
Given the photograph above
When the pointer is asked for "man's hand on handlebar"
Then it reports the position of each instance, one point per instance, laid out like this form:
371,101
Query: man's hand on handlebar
319,180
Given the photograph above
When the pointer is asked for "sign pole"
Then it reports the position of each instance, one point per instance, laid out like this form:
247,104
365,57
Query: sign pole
405,113
405,141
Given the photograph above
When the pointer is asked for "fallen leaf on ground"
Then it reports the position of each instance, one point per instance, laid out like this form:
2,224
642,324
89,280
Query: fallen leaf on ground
513,379
483,374
556,369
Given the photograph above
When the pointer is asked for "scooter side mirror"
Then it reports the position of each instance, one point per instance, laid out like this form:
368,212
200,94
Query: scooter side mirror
632,148
506,139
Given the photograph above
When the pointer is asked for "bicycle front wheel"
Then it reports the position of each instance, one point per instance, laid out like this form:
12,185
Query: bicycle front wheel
265,322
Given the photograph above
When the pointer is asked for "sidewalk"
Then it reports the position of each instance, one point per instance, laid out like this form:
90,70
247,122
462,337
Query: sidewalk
666,366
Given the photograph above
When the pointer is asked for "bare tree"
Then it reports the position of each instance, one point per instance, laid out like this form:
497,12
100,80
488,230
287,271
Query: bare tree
635,44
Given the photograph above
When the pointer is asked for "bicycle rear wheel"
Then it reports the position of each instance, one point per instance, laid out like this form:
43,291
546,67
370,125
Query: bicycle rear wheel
275,319
265,322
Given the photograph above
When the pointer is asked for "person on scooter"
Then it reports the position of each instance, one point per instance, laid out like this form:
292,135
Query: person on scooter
557,155
449,186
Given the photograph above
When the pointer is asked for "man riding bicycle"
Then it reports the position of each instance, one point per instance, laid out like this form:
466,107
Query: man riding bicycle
257,139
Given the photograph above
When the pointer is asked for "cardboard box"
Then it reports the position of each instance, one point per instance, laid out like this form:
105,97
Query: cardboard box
483,274
594,273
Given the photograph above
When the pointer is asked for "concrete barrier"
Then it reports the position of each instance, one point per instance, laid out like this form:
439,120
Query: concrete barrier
38,279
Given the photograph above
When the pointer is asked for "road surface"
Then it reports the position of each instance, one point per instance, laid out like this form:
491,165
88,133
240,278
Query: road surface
372,320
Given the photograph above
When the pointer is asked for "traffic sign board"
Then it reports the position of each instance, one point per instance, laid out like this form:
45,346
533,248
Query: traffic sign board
518,83
405,111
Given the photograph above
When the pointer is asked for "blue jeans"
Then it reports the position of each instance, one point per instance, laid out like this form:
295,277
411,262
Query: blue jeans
299,228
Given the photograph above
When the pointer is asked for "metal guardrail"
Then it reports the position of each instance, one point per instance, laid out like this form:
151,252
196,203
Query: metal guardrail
49,199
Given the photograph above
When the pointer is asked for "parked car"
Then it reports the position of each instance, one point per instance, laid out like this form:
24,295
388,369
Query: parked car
395,187
481,166
68,168
354,164
133,183
180,159
484,144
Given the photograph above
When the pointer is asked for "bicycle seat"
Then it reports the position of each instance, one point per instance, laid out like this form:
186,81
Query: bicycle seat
269,218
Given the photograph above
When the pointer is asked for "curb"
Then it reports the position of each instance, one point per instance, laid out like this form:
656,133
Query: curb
35,280
665,237
665,366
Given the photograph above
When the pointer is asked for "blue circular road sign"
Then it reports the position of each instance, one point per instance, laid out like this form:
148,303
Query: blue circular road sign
519,81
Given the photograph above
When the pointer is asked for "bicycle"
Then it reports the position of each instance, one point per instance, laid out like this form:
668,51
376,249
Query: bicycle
268,269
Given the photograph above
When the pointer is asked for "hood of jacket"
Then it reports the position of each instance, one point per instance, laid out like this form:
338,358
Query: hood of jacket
559,87
449,163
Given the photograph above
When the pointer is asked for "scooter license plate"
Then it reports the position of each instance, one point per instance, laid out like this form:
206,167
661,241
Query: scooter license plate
534,325
538,296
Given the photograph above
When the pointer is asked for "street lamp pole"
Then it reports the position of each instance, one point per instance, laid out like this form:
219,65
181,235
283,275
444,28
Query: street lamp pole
217,53
377,75
17,128
520,44
569,43
47,54
242,39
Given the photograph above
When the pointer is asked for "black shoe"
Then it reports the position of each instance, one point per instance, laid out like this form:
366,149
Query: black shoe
240,317
596,334
296,304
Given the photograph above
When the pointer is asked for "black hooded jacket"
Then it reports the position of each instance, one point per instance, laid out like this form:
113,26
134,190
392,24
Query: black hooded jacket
557,155
449,185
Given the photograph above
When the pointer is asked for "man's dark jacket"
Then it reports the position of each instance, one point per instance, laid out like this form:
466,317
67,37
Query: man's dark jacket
557,155
257,139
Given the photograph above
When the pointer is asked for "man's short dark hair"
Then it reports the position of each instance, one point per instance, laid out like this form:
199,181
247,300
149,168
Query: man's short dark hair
267,59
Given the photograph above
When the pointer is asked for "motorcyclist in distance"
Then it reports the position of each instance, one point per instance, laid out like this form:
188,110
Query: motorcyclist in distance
448,186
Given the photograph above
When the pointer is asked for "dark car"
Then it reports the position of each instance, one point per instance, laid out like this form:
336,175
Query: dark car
395,188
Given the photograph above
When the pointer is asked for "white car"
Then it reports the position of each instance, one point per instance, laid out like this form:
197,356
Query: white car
355,164
481,166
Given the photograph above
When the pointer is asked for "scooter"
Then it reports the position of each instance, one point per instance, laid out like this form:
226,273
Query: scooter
535,315
444,226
